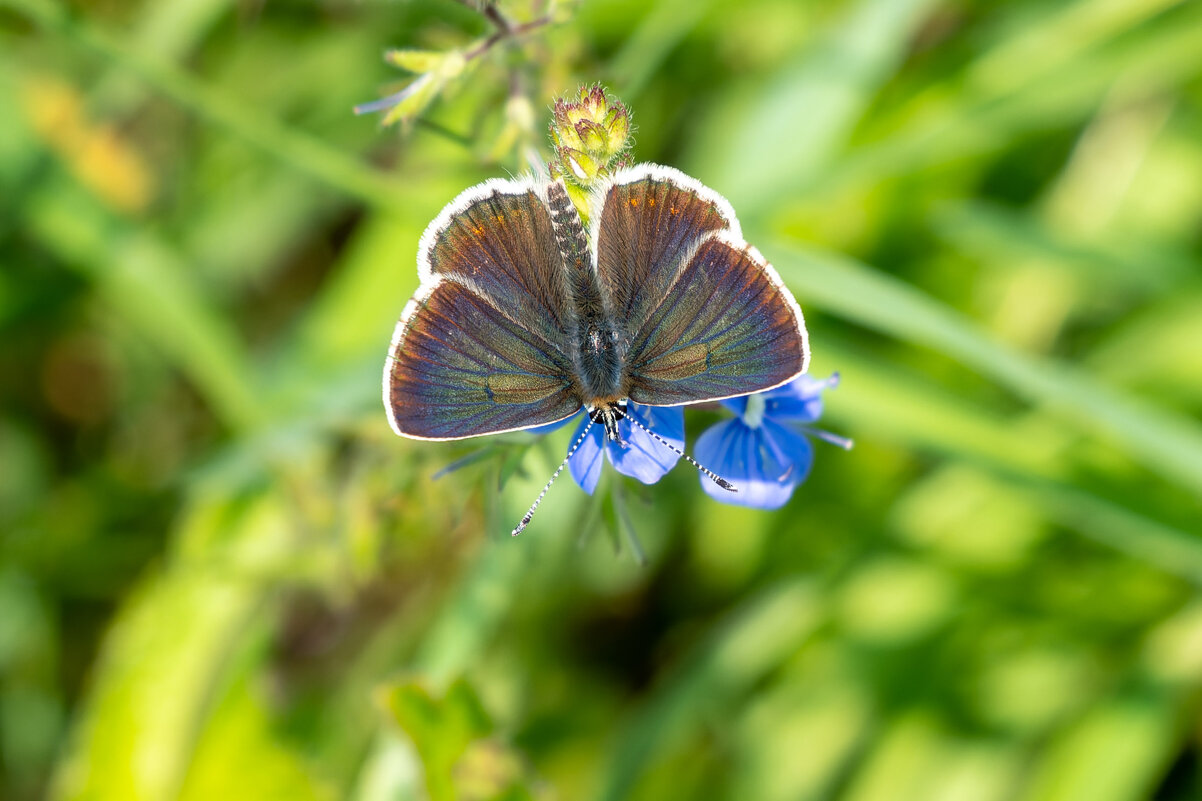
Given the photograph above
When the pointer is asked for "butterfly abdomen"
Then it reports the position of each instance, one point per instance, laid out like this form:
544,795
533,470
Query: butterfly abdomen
598,346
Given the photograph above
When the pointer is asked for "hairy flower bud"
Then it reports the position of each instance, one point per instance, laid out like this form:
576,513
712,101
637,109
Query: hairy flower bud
590,135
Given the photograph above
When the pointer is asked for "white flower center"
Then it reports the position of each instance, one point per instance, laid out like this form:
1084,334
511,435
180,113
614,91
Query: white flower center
753,415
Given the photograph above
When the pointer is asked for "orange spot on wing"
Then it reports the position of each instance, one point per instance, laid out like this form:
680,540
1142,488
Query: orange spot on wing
634,201
650,201
674,210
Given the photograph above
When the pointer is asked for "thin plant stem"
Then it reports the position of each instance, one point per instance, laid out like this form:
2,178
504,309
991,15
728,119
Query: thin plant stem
627,525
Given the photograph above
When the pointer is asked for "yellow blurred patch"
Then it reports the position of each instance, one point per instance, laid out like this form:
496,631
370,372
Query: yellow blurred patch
95,153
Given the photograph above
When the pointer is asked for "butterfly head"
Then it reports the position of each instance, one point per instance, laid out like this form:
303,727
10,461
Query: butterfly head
607,415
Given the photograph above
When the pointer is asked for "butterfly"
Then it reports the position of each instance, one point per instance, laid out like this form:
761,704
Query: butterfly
524,316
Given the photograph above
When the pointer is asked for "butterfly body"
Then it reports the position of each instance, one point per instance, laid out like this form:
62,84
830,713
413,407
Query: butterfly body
598,347
524,316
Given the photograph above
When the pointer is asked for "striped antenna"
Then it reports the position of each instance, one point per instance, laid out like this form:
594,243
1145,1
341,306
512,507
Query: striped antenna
717,479
530,512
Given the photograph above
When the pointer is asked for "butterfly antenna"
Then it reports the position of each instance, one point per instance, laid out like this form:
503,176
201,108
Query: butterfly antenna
530,512
717,479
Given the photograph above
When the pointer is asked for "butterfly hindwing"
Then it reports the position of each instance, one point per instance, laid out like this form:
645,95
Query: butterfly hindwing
460,368
726,327
480,347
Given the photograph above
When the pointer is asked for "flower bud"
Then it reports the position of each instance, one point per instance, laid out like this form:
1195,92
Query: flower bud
590,135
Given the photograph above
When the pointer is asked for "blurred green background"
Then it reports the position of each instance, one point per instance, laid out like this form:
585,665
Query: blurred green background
222,576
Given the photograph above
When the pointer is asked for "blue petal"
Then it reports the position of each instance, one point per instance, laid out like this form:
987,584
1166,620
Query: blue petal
585,464
394,99
800,400
788,447
737,405
714,449
644,457
765,464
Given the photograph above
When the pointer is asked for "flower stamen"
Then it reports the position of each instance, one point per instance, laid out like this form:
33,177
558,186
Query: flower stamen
753,415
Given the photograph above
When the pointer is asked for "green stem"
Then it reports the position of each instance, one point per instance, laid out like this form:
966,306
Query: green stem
627,525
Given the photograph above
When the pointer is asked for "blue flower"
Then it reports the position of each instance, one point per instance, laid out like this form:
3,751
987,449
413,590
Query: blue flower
762,451
642,457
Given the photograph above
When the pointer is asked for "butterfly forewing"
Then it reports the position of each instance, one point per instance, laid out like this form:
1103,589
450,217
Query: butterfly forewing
498,239
726,327
644,224
480,348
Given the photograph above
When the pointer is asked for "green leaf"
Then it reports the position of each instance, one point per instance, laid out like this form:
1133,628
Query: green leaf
512,459
449,734
923,416
750,641
802,119
148,283
1163,441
